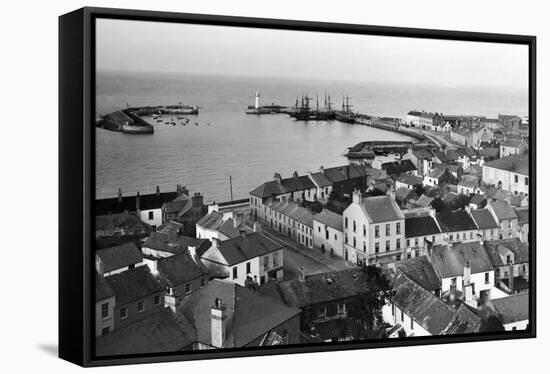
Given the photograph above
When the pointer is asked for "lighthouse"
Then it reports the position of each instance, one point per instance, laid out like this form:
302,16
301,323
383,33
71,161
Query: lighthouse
257,101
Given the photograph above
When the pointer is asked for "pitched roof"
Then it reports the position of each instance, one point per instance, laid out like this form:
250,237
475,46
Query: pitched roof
317,288
124,220
424,201
503,210
134,284
381,209
214,221
249,315
180,269
420,226
163,331
421,305
514,163
451,260
102,289
523,215
403,193
242,248
496,248
483,219
343,173
129,203
288,185
514,143
409,179
465,321
513,308
119,256
331,219
175,244
321,179
420,270
455,221
477,199
468,181
398,167
295,211
179,206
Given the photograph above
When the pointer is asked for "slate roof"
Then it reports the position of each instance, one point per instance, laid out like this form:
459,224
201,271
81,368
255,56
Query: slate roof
449,260
398,167
180,269
102,289
503,210
420,270
421,226
469,181
175,244
477,199
424,201
381,209
134,284
455,221
403,193
513,308
422,154
179,206
497,247
343,173
295,211
317,288
288,185
523,215
421,305
514,163
124,220
465,321
241,249
249,315
214,221
128,203
321,179
331,219
119,256
409,179
483,219
170,227
513,143
163,331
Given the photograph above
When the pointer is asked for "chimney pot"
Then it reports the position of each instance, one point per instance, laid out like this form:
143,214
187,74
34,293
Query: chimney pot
158,191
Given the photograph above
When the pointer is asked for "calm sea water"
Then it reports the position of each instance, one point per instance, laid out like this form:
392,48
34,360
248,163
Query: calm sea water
251,148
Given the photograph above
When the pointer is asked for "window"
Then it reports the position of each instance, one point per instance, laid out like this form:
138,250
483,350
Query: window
364,246
326,234
104,310
376,247
266,262
275,260
346,222
341,309
509,224
387,245
354,242
526,181
451,237
416,241
346,238
388,229
322,312
364,230
140,306
105,330
412,324
248,268
508,259
408,242
335,237
523,268
123,313
157,300
486,278
398,244
398,257
188,285
151,216
203,282
516,179
354,226
409,255
402,316
376,231
235,272
398,228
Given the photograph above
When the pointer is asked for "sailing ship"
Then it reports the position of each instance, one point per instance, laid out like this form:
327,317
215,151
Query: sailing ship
346,114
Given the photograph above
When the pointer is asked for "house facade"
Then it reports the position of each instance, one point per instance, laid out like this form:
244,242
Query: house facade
328,233
511,173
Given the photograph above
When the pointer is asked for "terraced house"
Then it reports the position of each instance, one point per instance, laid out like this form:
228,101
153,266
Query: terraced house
511,173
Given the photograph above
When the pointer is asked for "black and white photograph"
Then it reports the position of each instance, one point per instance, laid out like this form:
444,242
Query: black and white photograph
269,187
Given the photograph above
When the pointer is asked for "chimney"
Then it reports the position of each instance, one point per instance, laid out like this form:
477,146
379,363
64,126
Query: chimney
184,191
197,199
218,323
257,227
119,195
99,265
322,169
152,264
178,189
277,177
357,197
242,233
295,175
237,220
467,274
452,293
301,274
469,295
348,172
137,204
158,191
171,300
227,215
511,277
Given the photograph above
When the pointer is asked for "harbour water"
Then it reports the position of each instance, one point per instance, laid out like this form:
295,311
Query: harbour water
251,148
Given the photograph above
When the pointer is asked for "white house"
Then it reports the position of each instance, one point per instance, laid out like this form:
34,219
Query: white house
514,311
220,225
506,218
328,233
114,260
290,219
373,227
249,257
511,173
512,147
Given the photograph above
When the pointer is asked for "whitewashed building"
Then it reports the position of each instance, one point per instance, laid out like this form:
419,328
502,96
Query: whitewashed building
328,233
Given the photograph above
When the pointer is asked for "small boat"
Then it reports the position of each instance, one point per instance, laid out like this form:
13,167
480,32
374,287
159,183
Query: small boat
196,123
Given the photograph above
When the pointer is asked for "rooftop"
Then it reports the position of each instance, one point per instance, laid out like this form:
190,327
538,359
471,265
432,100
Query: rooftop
331,219
420,270
513,308
450,260
249,315
283,186
483,219
119,256
134,284
242,248
381,209
293,210
175,244
455,221
497,248
421,226
180,269
514,163
129,203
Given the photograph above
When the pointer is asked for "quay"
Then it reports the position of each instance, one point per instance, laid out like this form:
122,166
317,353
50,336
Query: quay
265,109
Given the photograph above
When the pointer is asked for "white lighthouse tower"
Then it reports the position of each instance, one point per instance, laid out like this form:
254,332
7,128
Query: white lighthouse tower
257,101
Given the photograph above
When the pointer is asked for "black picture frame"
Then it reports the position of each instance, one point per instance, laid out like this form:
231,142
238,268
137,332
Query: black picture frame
77,180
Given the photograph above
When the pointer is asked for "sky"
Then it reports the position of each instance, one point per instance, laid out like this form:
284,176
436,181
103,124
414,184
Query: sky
200,49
